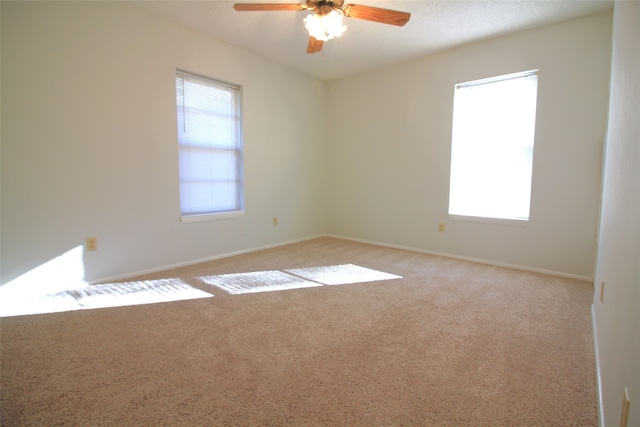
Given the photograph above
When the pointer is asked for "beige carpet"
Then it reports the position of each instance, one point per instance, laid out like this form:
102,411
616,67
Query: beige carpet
450,343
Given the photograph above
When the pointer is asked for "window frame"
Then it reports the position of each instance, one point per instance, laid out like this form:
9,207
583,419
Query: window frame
514,221
239,149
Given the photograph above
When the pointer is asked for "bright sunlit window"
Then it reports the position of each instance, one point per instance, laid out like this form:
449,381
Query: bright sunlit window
210,148
492,147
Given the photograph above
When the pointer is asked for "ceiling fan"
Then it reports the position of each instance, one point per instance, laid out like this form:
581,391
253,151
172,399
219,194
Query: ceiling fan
326,23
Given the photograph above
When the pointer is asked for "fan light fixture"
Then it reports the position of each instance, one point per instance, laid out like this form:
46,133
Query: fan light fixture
325,27
326,22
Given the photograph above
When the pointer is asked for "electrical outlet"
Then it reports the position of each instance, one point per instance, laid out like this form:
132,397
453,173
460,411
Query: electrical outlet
275,220
602,292
92,244
441,227
624,418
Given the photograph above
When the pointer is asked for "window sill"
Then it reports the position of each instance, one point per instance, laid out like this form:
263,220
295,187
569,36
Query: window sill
210,217
499,221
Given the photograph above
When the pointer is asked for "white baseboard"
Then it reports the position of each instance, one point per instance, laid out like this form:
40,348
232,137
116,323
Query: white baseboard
370,242
198,261
600,406
476,260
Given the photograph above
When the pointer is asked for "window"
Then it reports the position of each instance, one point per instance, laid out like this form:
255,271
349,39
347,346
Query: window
492,147
210,148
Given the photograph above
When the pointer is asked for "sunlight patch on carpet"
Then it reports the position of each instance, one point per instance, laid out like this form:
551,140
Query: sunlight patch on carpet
104,296
342,274
258,281
268,281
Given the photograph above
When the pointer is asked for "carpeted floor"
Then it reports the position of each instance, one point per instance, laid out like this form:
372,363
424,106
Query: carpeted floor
447,343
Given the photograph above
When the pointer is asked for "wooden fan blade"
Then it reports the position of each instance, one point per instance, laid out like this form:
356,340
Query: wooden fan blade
314,45
376,14
260,7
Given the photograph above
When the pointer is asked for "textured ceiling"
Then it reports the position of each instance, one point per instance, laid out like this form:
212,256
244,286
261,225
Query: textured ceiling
435,25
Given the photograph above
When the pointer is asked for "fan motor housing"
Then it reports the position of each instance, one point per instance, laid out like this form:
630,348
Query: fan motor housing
322,7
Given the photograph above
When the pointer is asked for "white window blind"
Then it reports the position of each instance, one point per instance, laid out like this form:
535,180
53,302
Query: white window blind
492,147
210,147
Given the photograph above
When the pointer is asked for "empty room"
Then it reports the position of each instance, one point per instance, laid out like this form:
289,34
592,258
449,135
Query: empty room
428,214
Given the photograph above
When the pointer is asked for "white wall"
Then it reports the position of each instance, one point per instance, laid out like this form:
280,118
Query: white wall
617,320
88,144
391,138
89,141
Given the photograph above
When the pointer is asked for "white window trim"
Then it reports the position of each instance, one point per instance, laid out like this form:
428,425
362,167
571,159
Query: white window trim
213,216
185,219
500,221
521,222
